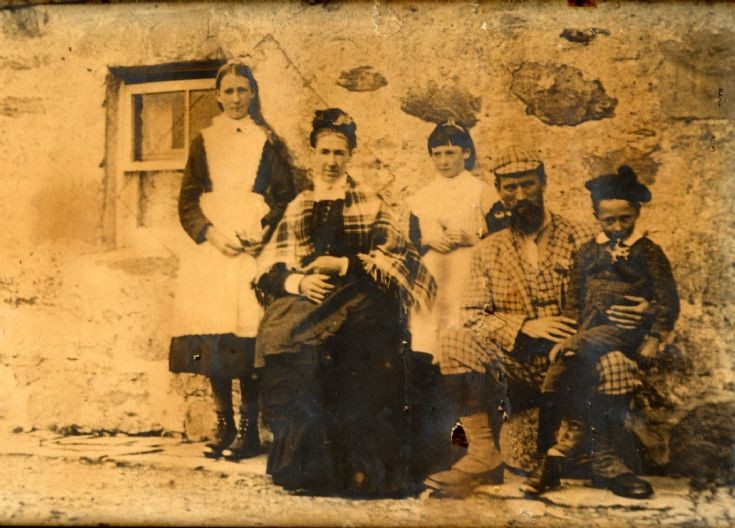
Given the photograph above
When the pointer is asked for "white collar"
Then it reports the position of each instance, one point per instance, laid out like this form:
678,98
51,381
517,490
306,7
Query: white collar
631,239
233,125
336,191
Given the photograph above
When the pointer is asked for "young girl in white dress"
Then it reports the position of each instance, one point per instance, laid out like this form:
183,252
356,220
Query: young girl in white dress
236,185
448,217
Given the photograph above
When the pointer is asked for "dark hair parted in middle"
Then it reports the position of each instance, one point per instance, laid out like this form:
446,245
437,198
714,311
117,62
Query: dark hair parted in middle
333,120
450,133
242,70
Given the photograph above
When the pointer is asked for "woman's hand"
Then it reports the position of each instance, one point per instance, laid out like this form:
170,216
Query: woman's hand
226,245
327,265
315,287
629,317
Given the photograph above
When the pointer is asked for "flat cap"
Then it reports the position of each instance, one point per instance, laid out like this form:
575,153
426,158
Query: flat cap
516,162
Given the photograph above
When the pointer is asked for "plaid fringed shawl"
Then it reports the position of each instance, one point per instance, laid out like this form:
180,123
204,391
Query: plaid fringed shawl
370,227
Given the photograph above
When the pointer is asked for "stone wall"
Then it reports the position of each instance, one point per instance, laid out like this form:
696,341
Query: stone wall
83,325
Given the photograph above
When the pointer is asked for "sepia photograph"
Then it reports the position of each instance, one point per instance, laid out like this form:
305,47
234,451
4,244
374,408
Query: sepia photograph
367,263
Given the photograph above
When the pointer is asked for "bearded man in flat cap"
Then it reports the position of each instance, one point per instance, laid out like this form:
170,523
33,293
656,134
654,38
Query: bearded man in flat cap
512,310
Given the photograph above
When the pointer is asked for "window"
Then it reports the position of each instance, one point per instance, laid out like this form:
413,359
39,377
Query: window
163,117
157,110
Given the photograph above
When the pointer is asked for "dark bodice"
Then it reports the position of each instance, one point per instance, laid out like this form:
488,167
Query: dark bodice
326,227
598,278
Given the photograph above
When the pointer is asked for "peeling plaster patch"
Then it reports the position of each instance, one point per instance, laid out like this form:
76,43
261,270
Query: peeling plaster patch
362,79
559,95
438,104
14,106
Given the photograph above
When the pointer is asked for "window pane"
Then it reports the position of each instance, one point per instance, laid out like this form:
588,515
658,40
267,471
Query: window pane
159,126
203,109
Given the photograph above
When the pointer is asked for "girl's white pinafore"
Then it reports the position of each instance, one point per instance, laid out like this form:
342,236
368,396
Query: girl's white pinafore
214,293
447,203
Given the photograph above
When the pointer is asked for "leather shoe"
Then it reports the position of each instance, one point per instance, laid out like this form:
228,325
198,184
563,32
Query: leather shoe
626,485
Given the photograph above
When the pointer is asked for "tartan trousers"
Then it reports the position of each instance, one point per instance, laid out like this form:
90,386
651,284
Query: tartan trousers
463,350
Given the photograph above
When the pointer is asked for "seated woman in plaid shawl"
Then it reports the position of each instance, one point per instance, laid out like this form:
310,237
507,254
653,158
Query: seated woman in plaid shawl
337,279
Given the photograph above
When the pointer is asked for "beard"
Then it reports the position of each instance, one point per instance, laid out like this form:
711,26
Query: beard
527,216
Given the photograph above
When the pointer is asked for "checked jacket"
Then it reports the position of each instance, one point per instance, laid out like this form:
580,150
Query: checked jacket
503,290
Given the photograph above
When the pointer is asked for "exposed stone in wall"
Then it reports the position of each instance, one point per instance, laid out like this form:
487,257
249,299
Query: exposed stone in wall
19,62
20,22
559,94
362,79
641,162
437,104
199,420
13,106
386,21
329,5
703,444
583,36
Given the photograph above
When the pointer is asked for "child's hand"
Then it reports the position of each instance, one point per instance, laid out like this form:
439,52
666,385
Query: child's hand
555,351
441,243
561,350
461,238
649,348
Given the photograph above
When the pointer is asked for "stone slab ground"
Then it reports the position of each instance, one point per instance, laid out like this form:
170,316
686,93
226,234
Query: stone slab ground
86,479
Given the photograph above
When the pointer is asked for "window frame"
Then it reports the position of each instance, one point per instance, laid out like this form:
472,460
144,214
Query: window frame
127,120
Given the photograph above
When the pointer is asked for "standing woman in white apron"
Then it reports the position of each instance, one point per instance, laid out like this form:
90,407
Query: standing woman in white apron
236,186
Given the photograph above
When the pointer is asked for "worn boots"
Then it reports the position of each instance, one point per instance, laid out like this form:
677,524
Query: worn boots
247,442
235,443
482,463
224,434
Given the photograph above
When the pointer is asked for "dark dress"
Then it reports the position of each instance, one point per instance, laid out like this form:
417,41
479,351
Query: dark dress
334,395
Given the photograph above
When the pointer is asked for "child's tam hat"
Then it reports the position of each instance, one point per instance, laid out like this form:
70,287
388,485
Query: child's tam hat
623,185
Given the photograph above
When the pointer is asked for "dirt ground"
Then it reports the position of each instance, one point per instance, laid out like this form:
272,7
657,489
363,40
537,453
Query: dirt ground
118,480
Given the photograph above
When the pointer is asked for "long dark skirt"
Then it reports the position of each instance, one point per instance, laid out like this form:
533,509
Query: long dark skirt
338,409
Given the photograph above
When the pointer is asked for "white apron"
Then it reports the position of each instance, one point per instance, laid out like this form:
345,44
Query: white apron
214,293
457,203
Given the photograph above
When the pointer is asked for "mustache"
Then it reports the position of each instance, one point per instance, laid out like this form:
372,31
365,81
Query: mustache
526,216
